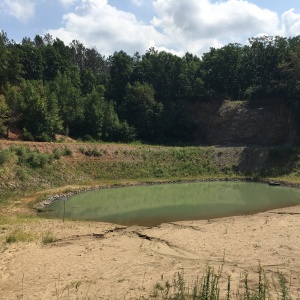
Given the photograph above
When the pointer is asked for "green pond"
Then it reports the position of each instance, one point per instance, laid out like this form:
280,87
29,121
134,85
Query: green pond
155,204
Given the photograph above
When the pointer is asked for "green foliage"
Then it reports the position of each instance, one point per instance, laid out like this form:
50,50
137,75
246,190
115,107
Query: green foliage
32,158
67,152
4,157
19,236
208,287
48,238
141,110
49,88
57,153
4,113
90,152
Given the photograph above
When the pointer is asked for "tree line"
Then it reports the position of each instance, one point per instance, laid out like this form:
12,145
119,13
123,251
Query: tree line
49,88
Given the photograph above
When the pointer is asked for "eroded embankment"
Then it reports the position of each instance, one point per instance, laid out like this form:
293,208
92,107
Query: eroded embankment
34,171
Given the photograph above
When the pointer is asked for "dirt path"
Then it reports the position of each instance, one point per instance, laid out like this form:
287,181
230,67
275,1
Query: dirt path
106,261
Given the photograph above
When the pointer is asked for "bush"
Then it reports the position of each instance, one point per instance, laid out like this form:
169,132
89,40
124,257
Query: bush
67,152
21,173
20,151
4,157
44,137
57,153
88,138
33,159
96,152
48,238
90,152
19,235
27,136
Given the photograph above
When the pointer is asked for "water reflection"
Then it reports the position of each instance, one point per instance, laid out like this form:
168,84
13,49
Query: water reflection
155,204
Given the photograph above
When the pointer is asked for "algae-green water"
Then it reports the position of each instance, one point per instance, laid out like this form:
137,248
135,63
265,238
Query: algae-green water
155,204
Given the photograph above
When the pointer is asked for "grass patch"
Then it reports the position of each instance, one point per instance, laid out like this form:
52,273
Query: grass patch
48,238
32,158
67,152
4,157
209,287
30,171
57,153
19,236
90,152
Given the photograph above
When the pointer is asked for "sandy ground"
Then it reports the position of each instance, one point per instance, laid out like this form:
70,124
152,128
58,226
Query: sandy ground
93,260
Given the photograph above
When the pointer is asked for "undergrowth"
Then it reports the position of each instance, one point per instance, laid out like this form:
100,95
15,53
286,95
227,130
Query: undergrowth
19,235
209,287
27,170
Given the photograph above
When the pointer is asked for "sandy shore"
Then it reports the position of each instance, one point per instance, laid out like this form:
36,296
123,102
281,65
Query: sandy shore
92,260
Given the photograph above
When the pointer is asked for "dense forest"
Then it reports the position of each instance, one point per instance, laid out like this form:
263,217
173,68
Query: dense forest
49,88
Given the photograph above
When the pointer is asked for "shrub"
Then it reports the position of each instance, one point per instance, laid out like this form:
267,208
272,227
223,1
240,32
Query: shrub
48,238
33,159
90,152
67,152
27,136
21,173
88,138
20,151
38,160
57,153
19,235
96,152
44,137
4,157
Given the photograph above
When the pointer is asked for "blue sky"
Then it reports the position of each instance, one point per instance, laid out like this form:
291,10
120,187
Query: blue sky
177,26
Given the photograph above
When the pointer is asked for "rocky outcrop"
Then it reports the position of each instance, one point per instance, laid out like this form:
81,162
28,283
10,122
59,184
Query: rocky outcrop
235,123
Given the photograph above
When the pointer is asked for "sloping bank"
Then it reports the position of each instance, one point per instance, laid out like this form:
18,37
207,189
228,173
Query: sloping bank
35,171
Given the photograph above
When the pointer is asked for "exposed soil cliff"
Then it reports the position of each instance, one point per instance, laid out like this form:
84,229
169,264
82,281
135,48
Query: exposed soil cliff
235,123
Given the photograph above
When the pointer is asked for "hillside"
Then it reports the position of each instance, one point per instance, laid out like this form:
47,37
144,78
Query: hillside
32,171
51,259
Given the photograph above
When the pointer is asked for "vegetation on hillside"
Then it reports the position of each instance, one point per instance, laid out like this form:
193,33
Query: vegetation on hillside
49,88
28,168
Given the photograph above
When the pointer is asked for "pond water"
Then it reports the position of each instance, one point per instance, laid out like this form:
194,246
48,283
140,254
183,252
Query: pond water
155,204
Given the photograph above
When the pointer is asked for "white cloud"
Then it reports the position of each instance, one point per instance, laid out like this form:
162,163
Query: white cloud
178,26
290,23
198,24
137,2
96,23
20,9
68,2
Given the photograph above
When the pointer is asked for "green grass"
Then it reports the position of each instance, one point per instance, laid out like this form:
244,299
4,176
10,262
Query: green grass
210,287
48,238
24,170
19,235
90,152
4,157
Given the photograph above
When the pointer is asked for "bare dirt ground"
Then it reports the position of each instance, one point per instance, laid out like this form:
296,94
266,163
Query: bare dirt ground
91,260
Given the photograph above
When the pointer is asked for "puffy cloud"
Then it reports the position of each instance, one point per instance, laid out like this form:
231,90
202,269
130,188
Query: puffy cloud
96,23
137,2
178,26
68,2
199,23
290,23
20,9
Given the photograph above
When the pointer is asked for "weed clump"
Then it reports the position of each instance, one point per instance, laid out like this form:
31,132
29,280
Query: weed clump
208,288
57,153
4,157
90,152
67,152
48,238
19,235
